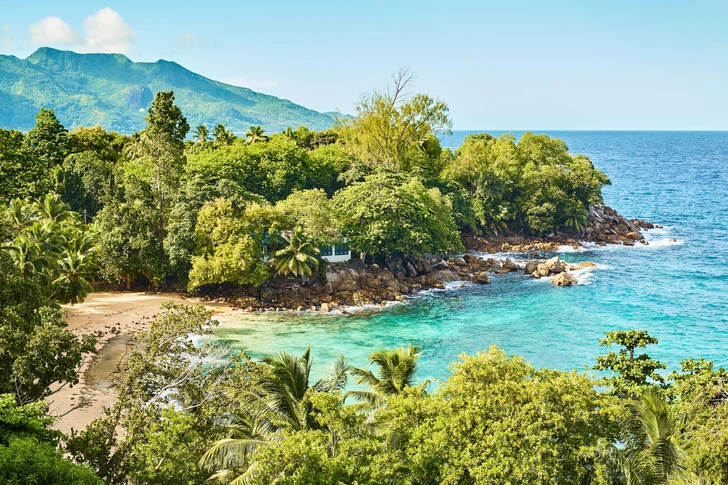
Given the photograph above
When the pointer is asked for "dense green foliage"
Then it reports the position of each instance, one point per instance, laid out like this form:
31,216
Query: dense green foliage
25,461
163,210
111,91
28,451
393,214
157,209
37,350
534,185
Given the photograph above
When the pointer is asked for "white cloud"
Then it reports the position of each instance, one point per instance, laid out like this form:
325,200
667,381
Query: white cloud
104,31
53,31
6,39
107,31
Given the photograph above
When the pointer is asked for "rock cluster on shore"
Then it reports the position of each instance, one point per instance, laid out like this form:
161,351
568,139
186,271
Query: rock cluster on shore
355,283
377,282
604,226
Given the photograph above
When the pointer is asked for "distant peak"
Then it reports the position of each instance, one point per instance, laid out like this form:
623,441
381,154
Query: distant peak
46,51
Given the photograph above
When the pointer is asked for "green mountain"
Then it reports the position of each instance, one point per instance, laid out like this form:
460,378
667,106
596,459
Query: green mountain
112,91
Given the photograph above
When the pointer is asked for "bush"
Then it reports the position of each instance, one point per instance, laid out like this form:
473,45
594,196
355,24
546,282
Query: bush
25,461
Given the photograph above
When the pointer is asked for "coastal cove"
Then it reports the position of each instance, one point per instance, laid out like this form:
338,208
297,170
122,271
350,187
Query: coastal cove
674,289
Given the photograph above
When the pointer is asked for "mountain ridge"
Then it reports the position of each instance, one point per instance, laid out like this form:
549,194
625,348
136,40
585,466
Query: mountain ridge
114,92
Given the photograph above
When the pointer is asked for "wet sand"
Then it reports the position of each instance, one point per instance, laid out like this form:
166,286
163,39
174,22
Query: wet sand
114,318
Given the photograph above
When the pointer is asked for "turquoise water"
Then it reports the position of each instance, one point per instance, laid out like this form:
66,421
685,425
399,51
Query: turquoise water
676,290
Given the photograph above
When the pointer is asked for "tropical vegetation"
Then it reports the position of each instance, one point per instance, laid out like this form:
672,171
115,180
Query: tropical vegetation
162,208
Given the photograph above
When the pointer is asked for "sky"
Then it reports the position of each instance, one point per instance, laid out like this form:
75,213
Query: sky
506,65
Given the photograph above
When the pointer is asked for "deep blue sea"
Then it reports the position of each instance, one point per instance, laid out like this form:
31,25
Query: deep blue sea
676,288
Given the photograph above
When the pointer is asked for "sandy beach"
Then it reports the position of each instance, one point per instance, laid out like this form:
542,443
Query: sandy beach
114,318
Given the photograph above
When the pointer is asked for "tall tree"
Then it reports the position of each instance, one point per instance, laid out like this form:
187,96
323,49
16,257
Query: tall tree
48,140
392,127
166,117
151,179
634,373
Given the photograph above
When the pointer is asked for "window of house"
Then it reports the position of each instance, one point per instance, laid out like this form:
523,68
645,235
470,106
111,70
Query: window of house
341,250
325,250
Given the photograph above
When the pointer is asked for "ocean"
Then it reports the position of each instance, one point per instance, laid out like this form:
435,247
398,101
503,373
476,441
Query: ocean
676,288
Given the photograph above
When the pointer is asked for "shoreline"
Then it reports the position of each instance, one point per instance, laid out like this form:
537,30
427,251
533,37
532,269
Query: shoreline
114,318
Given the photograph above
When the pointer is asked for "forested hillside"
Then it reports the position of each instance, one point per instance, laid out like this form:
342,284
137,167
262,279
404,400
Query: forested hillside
111,91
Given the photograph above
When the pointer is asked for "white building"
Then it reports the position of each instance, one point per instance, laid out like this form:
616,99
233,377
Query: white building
335,253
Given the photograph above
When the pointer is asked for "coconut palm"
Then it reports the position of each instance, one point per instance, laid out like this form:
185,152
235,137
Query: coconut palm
397,370
201,134
299,258
21,214
575,217
74,270
28,256
76,241
280,401
255,134
650,454
222,136
51,208
288,133
46,235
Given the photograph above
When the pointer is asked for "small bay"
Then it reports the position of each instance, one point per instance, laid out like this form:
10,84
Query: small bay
676,288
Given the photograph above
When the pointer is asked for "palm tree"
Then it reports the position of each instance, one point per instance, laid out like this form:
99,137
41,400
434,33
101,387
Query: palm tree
201,134
397,370
280,401
575,217
21,214
299,258
46,235
255,134
28,256
288,133
650,454
74,269
52,208
222,136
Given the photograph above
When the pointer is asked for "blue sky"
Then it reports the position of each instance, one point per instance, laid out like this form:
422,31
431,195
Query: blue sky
508,64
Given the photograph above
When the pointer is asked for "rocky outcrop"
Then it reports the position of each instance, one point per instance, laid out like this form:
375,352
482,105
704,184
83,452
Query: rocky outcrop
604,226
556,269
373,283
563,279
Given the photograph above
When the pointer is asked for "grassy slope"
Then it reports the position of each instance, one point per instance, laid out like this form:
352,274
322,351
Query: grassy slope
110,89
